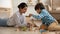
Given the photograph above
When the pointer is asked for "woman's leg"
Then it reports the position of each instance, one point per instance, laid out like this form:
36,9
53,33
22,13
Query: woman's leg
54,26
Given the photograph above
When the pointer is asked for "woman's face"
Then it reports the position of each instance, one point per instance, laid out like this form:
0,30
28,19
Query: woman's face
38,11
23,10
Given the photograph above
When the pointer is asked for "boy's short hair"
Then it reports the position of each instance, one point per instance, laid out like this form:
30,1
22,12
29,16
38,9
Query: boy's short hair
39,6
22,5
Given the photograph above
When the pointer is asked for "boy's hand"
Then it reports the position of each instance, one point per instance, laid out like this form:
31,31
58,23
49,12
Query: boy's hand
30,15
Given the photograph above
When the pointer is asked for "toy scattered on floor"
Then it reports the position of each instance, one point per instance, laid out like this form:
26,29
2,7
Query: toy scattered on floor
31,27
22,28
43,27
42,30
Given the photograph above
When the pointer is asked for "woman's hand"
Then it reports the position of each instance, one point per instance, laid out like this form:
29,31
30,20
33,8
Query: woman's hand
29,24
30,15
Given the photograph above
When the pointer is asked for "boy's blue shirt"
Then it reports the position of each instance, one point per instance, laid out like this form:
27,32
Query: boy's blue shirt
45,16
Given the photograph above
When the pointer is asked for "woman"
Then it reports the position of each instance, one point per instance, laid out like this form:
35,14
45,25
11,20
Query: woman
18,19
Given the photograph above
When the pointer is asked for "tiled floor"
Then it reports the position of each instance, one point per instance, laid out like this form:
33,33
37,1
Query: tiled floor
10,30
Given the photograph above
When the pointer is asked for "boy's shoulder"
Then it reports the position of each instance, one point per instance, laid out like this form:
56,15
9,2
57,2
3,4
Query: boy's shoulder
44,10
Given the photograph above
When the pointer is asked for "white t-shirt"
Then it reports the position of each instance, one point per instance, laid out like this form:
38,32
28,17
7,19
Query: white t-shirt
17,19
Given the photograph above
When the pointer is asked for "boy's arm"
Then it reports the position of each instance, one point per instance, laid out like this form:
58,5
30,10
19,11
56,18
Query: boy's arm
38,16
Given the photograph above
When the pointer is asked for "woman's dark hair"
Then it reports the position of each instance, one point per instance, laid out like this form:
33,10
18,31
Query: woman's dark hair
22,5
39,6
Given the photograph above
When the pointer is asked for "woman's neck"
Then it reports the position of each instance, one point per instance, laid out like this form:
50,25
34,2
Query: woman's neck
20,12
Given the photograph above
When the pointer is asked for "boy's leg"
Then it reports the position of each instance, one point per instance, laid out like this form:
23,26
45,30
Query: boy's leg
51,26
57,27
54,26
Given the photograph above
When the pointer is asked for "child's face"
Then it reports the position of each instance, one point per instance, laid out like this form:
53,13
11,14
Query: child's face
23,10
38,11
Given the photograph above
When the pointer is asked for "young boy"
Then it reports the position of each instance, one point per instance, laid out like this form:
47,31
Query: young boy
47,20
18,19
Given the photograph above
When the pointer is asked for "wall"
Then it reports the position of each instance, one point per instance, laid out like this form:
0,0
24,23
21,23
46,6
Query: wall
5,8
5,3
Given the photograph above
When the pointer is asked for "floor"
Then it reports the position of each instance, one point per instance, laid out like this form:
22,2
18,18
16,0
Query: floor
10,30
